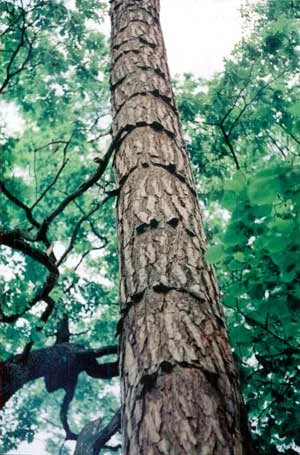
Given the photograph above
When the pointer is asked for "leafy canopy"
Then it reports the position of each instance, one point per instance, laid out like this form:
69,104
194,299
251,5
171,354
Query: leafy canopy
242,132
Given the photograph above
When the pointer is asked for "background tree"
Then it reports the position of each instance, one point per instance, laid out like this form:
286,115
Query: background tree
55,70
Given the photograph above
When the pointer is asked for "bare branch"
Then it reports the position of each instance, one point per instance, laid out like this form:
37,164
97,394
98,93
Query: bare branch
264,327
43,319
100,136
51,143
77,227
274,142
93,227
41,294
106,350
248,80
12,23
15,240
86,253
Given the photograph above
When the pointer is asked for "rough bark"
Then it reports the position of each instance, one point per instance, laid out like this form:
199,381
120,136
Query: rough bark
180,389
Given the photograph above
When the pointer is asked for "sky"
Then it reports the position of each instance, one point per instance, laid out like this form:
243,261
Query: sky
198,35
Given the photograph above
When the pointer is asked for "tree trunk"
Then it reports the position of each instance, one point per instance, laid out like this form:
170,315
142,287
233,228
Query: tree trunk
180,389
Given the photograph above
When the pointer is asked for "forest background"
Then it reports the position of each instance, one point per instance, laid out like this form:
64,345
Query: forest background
242,132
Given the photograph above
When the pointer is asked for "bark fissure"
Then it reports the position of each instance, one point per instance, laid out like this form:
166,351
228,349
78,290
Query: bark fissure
143,69
154,93
134,39
180,388
140,58
169,168
137,20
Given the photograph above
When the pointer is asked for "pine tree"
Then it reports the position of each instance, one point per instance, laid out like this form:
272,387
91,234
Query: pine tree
180,387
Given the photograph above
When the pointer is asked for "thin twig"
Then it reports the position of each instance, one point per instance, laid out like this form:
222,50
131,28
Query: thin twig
84,186
61,168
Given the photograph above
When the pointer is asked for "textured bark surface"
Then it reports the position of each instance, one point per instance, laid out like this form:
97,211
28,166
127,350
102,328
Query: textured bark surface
180,391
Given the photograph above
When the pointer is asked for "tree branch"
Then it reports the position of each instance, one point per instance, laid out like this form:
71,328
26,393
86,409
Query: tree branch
23,39
229,145
248,80
43,319
59,365
61,168
41,294
20,204
85,217
248,103
15,240
93,437
289,133
264,327
84,186
70,389
274,142
92,226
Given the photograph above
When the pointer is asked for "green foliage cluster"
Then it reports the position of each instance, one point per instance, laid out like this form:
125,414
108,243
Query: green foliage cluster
242,131
61,105
54,77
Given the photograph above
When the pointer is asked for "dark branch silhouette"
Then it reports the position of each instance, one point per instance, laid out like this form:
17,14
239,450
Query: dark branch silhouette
58,365
60,169
93,437
14,239
84,186
23,43
19,204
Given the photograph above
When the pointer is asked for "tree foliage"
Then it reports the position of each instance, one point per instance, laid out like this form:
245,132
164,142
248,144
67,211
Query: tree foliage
58,254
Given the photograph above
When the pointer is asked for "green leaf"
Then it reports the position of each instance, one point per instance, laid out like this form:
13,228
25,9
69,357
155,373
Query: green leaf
238,182
214,254
229,200
294,109
264,190
276,243
239,256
